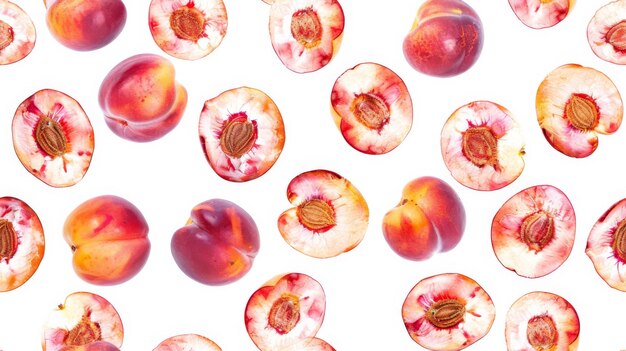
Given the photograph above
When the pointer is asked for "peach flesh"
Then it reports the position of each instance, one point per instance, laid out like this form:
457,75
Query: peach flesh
539,14
606,32
616,36
6,34
306,27
17,33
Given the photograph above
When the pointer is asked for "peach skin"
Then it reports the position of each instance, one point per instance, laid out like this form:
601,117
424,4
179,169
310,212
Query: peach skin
85,25
141,99
430,218
109,238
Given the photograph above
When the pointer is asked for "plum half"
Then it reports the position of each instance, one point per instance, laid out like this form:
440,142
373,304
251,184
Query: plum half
372,108
533,232
188,29
285,312
83,318
17,33
329,215
191,342
606,246
447,312
574,104
606,32
241,133
22,243
306,34
53,138
482,146
446,38
541,321
538,14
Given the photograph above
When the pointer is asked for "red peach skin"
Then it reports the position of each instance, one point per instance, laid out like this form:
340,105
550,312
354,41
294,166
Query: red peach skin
109,238
85,24
141,99
446,38
218,244
429,219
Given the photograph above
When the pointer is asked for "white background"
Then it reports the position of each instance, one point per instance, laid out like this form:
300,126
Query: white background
366,287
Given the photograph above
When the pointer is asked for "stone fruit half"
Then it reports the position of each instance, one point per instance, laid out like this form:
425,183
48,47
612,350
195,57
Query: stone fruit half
606,32
574,104
285,312
538,14
85,25
606,246
447,312
188,29
482,146
305,34
191,342
329,215
218,244
429,218
372,108
17,33
446,38
310,344
82,319
541,321
92,346
241,133
22,243
53,138
108,236
533,232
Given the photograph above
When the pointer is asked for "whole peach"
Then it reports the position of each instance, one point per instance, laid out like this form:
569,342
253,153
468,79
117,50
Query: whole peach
109,238
85,24
141,99
446,38
430,218
218,244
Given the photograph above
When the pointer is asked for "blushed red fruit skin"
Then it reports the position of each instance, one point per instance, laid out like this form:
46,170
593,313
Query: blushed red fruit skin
109,238
219,243
430,218
141,99
446,38
85,24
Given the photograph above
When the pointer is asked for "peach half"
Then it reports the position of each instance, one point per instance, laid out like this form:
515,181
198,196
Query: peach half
191,342
533,232
306,34
445,40
538,14
430,218
84,318
218,244
22,243
372,108
606,246
85,25
482,146
141,99
53,138
286,312
310,344
241,133
447,312
188,29
541,321
329,216
108,236
606,32
574,104
92,346
17,33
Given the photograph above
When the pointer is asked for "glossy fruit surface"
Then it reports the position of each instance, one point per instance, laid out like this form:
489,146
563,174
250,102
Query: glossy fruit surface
538,14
